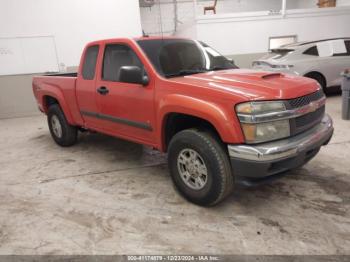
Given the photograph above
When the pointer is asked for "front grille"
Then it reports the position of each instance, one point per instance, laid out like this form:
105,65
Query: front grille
302,123
305,100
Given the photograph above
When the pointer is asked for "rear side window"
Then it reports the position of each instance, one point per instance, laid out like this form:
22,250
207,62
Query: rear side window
115,57
311,51
89,65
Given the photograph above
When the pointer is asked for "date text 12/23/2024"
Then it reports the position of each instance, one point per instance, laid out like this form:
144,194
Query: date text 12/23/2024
173,258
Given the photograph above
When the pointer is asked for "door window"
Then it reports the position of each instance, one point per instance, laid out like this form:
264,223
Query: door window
89,65
116,56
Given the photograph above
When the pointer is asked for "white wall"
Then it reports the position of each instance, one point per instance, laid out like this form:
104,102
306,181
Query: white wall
233,6
244,35
343,2
302,4
296,4
73,23
160,17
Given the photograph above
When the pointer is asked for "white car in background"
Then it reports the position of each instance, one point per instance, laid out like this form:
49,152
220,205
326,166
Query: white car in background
322,60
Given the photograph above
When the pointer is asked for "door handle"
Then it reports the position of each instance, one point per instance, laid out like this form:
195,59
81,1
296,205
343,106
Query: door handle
103,90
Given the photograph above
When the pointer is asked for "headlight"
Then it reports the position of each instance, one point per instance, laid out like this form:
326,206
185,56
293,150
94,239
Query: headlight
258,133
266,131
260,107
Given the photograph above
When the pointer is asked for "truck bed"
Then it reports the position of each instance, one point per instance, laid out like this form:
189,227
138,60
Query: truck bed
64,74
62,87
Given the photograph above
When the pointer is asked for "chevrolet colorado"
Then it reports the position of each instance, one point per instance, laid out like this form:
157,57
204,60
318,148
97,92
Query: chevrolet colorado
218,124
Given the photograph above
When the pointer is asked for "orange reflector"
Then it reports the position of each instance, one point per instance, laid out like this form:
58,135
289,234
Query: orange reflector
249,132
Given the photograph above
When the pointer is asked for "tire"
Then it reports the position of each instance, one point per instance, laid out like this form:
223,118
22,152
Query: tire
320,79
61,131
209,155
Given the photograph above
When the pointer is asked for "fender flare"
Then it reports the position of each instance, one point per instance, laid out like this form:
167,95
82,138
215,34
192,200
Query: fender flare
223,121
55,92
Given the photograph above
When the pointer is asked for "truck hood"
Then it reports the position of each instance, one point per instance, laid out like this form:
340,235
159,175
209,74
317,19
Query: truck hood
252,84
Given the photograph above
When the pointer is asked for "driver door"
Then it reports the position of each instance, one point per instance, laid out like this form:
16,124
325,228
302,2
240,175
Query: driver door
125,109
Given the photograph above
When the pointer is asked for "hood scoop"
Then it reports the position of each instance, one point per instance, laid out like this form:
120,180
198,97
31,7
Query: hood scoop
272,75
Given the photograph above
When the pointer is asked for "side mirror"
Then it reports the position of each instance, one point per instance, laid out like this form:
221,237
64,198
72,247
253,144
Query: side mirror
133,75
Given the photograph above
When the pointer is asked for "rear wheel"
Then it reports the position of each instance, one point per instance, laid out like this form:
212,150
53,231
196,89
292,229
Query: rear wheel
199,167
61,131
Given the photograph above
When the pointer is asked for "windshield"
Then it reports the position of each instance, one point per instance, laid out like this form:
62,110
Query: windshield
176,57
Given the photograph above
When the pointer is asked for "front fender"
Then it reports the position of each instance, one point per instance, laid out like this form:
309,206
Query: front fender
223,119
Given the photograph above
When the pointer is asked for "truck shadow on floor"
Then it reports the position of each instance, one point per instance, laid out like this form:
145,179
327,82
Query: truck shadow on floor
323,190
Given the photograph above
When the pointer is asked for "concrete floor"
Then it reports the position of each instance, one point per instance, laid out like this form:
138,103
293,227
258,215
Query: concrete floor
108,196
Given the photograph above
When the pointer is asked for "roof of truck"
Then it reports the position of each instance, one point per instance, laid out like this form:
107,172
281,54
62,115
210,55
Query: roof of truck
133,38
156,37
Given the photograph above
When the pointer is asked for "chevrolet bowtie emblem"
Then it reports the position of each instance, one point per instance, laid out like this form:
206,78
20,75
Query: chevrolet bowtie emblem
313,106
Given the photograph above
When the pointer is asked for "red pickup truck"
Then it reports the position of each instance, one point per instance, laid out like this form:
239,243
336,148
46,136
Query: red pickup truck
218,124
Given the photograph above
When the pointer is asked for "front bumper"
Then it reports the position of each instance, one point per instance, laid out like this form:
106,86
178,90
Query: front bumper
268,159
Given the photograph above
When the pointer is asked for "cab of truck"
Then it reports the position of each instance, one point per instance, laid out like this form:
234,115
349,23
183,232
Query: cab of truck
219,124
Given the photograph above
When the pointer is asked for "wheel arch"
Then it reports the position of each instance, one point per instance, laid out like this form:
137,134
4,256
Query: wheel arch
56,97
174,123
317,74
179,112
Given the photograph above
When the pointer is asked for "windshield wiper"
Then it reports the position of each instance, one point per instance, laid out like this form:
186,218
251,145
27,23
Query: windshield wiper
186,72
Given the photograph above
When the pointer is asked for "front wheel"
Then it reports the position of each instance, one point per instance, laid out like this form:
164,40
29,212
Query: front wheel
199,167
